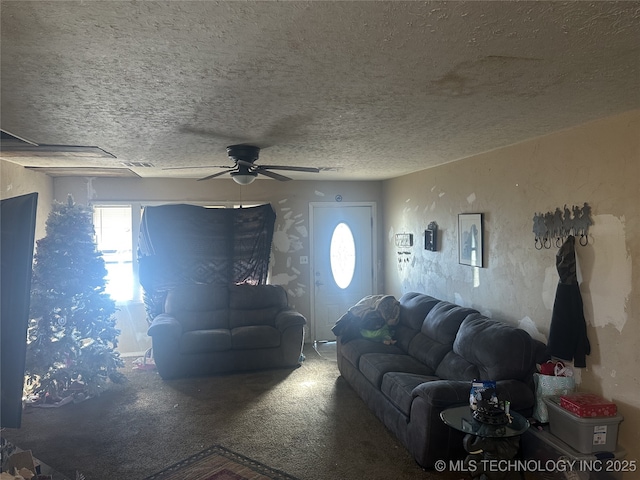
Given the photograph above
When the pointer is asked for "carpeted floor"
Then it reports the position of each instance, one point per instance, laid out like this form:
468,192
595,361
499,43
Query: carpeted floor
306,422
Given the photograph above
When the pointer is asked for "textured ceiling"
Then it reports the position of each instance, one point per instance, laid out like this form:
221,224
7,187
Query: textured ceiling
372,89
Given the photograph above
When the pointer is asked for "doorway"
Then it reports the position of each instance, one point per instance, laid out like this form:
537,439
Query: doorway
343,253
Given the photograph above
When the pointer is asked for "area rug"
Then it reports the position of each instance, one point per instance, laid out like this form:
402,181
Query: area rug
218,463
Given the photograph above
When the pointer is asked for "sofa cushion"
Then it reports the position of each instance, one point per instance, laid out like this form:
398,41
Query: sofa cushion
199,307
204,341
374,365
414,307
255,336
403,336
454,367
355,348
443,321
438,332
398,388
428,351
500,351
255,304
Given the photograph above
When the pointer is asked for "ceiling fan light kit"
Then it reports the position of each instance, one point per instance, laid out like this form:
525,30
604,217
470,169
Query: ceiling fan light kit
243,178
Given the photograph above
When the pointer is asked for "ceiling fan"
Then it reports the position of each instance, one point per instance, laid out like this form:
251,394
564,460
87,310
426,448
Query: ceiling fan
245,170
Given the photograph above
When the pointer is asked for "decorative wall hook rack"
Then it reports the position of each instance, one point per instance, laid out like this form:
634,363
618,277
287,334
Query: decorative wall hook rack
552,228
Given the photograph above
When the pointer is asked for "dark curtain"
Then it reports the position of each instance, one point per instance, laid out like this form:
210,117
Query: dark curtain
187,244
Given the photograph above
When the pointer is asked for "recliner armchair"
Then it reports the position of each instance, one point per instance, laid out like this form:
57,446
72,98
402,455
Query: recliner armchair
211,329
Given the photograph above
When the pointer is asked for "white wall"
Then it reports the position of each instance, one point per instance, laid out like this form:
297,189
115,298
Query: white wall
597,163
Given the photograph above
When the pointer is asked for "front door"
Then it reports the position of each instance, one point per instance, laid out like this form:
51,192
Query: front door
343,254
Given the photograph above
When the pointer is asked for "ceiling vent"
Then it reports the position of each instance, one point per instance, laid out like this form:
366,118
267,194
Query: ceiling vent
138,164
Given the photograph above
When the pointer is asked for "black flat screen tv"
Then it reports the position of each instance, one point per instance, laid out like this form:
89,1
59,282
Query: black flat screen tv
17,235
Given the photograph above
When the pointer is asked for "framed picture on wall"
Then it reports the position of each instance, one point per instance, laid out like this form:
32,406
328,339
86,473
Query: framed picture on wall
470,236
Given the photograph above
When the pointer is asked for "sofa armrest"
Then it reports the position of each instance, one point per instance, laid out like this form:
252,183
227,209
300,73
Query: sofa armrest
443,394
289,318
166,326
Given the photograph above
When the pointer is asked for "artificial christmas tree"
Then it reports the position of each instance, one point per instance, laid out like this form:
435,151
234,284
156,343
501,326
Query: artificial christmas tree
72,339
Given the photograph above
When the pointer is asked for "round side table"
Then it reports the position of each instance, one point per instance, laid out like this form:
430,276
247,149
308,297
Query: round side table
486,444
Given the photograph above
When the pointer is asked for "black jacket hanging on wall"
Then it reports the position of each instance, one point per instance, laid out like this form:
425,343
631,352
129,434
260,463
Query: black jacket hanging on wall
568,332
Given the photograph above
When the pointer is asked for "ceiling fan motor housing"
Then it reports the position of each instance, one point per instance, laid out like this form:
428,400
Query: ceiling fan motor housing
246,153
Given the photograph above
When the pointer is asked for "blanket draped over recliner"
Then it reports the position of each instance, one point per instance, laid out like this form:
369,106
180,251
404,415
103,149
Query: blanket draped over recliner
189,245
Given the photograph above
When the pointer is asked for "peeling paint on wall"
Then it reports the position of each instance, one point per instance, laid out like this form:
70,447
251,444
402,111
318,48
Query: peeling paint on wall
281,241
282,278
604,266
471,198
297,292
287,238
609,275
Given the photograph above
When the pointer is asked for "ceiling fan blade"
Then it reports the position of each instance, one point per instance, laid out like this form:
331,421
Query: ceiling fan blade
216,174
276,176
200,166
293,169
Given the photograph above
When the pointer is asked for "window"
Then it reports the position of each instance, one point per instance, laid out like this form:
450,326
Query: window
342,253
113,226
117,227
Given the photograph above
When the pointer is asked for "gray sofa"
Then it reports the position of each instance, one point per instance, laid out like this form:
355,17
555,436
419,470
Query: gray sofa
440,349
211,329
